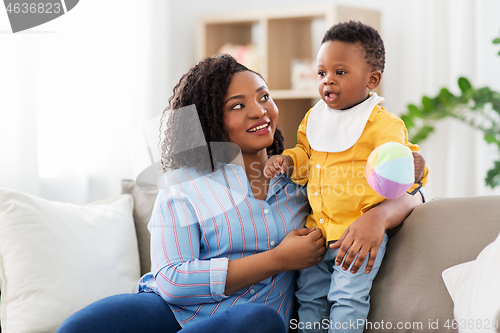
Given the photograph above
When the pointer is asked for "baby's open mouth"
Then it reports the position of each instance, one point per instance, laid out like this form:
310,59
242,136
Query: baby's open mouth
330,97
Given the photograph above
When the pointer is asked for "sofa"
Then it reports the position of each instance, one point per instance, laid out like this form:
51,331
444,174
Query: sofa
437,235
55,258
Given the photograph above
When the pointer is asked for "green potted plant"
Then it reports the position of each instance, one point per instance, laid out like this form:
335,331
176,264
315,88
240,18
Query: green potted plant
478,107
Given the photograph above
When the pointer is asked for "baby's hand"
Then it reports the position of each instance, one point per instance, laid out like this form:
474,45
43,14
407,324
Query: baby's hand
277,164
419,162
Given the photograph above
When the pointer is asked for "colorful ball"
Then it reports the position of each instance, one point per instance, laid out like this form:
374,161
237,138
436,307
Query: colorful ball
390,170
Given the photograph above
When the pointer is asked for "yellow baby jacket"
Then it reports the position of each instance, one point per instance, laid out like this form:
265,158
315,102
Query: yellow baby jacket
336,184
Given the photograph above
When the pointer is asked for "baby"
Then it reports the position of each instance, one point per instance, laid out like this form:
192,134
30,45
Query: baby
335,139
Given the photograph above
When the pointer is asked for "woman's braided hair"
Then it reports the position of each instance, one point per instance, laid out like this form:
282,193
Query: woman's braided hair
205,85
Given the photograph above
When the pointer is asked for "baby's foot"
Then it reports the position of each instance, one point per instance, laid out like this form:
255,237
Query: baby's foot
419,162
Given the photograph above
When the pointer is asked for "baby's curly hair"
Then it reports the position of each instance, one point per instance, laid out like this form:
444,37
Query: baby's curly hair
205,85
355,31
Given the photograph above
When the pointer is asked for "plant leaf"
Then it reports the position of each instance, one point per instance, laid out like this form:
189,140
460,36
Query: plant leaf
408,121
490,138
428,104
496,106
464,85
446,97
496,40
482,96
422,134
414,111
492,177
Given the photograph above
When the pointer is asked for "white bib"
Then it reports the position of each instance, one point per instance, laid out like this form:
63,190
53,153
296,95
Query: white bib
333,131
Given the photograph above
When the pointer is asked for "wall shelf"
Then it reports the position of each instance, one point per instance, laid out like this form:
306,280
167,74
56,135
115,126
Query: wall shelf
280,36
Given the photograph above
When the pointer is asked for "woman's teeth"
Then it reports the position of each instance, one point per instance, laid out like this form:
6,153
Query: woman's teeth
258,128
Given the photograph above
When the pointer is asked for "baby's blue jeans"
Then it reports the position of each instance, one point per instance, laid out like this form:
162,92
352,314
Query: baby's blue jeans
334,300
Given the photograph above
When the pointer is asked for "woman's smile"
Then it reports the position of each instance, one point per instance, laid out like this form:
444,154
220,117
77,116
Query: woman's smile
260,128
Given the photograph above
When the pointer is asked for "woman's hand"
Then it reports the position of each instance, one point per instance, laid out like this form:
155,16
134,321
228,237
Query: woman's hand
365,235
301,248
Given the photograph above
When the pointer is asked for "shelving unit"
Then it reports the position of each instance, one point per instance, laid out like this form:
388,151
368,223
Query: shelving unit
280,36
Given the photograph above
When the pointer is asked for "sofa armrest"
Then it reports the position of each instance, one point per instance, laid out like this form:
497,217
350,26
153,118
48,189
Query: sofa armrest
144,200
439,234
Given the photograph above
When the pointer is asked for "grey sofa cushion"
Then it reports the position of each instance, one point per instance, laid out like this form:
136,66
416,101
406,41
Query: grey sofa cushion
144,200
439,234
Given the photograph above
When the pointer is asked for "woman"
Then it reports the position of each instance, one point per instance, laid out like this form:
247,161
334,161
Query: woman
225,240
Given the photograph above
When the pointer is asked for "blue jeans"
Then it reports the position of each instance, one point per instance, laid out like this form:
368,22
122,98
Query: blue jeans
148,312
334,300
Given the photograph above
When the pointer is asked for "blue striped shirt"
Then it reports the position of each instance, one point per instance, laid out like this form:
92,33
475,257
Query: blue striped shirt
202,220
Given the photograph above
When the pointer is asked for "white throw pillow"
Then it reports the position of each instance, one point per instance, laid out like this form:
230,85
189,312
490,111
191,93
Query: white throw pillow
56,258
474,287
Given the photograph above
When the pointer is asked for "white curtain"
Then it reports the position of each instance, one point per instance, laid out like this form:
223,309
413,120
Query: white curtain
72,90
18,144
